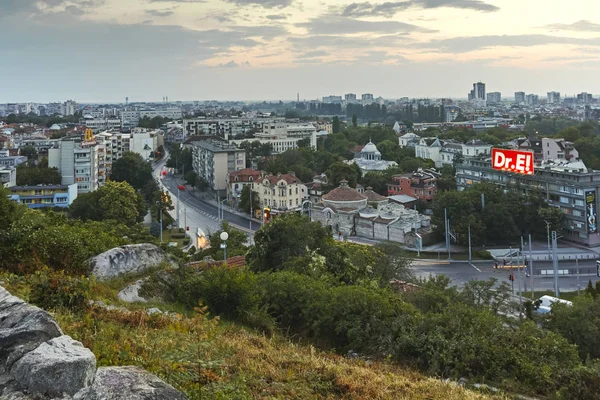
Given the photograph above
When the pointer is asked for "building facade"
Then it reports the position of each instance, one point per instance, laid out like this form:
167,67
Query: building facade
77,163
282,193
572,188
8,176
44,195
213,160
421,184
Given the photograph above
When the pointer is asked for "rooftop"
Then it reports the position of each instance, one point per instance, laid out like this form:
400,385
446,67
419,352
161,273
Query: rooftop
344,193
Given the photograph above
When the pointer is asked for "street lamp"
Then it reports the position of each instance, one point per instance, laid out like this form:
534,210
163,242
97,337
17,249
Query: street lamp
224,236
161,226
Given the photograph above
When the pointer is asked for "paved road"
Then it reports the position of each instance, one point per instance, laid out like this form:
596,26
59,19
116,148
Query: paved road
462,272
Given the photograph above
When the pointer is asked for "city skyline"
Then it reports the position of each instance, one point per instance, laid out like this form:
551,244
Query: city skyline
99,51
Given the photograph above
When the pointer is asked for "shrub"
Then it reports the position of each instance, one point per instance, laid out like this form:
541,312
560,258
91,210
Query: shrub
178,235
51,289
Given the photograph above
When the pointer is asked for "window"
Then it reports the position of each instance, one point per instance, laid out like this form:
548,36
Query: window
564,199
579,202
291,191
296,191
290,202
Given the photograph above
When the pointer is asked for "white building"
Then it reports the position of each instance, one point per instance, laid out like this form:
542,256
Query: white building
102,124
213,160
559,149
68,108
144,143
409,139
369,159
8,176
367,98
282,193
553,97
444,152
77,162
332,99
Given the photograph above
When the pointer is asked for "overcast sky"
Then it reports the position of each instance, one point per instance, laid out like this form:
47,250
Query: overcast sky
105,50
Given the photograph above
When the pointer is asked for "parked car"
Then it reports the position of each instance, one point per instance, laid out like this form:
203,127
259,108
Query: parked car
181,187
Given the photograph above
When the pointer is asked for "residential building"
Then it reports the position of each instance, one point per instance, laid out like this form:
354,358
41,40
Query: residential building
451,113
409,139
529,144
494,97
102,124
236,180
144,142
570,186
132,116
68,108
584,98
478,92
44,195
282,193
10,161
559,149
223,128
553,97
369,159
8,176
332,99
421,184
213,160
367,98
519,97
445,152
532,99
77,163
350,98
429,149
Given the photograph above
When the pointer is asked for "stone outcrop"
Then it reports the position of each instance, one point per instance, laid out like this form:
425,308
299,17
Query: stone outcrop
130,259
131,294
128,383
38,362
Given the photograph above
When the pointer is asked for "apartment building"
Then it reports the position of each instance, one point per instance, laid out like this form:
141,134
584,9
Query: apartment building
44,195
10,161
569,186
421,184
102,124
8,176
77,163
224,128
213,160
282,193
132,116
444,152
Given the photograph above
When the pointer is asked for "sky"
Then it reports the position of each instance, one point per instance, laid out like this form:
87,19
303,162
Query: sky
106,50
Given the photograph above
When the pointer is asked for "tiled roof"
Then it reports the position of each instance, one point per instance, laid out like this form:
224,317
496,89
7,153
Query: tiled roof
243,175
344,193
372,196
287,177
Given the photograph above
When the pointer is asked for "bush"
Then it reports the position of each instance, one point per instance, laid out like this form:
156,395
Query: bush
178,235
483,255
51,290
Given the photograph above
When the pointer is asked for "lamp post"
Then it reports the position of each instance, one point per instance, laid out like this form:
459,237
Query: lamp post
161,226
224,236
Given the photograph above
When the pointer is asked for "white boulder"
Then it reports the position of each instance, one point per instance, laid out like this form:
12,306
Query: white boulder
130,259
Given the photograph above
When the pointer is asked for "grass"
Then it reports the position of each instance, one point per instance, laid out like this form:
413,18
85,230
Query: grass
207,358
168,237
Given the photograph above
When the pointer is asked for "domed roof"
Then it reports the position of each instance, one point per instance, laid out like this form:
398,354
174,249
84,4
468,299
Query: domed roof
370,148
374,197
344,193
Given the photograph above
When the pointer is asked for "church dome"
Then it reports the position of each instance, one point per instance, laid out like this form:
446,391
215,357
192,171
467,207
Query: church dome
345,197
370,148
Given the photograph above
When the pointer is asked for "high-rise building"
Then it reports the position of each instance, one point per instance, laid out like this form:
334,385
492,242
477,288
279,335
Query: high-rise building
519,97
332,99
553,97
367,98
494,97
68,108
350,98
584,98
478,92
77,162
532,99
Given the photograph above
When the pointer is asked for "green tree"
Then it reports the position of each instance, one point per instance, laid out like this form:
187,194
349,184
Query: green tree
354,120
339,170
554,216
336,125
245,200
191,178
116,201
30,152
32,175
133,169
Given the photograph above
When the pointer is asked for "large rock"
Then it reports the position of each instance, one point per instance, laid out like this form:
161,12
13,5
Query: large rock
128,383
61,365
23,327
131,294
135,258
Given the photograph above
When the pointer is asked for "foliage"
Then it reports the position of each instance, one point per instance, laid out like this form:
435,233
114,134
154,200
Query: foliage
115,200
191,178
32,175
133,169
180,159
244,203
235,243
339,171
153,123
55,289
336,124
155,229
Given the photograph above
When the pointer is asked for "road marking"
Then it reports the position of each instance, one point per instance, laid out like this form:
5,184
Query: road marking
473,265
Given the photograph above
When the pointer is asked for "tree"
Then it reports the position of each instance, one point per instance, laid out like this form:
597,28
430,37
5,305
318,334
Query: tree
160,152
245,200
553,216
354,120
133,169
338,171
30,152
191,178
336,124
116,201
35,175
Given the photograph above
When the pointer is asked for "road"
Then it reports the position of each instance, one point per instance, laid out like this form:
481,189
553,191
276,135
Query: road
195,212
461,272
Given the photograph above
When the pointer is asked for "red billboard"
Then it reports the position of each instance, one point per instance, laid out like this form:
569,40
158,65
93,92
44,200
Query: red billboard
520,162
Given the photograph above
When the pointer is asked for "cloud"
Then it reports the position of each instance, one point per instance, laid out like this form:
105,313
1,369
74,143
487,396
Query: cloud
315,53
582,26
262,3
277,17
389,9
177,1
233,64
40,7
470,43
301,43
160,13
330,24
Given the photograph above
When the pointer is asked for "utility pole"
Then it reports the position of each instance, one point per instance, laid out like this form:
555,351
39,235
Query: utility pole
178,205
555,264
470,243
548,232
161,226
531,267
577,266
184,217
447,222
519,275
482,201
